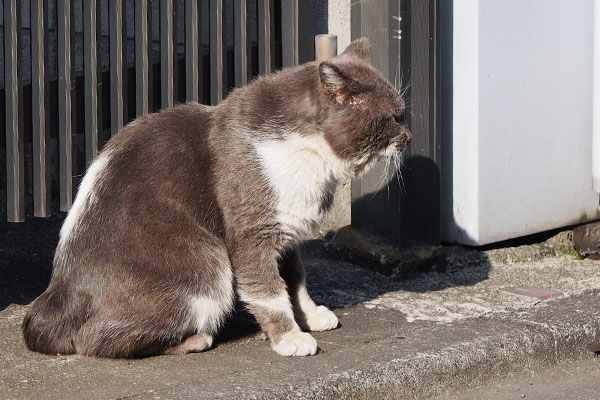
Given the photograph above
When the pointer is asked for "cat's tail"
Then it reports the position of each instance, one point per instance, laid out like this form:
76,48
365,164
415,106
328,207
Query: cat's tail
54,318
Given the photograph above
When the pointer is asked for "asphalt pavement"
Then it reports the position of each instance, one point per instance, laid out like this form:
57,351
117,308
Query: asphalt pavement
579,380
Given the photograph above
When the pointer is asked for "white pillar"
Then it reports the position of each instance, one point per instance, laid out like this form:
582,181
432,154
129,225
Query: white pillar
596,104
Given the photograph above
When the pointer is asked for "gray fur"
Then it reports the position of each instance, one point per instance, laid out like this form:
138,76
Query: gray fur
182,214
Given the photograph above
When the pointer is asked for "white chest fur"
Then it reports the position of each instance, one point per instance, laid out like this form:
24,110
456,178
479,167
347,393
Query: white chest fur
300,170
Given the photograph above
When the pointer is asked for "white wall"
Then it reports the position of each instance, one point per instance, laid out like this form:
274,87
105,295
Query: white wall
596,122
521,158
339,21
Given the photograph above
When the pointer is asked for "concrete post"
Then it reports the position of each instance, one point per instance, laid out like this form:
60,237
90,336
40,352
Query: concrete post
338,23
340,214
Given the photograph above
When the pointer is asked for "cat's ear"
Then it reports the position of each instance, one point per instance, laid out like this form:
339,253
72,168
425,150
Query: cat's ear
338,84
360,48
332,77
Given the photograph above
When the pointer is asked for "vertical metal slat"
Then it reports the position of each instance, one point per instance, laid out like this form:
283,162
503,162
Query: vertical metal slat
124,57
175,59
116,65
394,62
201,70
306,31
241,43
15,207
356,20
39,104
90,66
99,102
151,60
141,57
372,21
216,51
423,120
289,32
75,97
64,104
166,53
191,50
264,37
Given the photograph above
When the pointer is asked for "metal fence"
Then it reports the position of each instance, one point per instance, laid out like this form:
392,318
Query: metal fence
76,71
407,48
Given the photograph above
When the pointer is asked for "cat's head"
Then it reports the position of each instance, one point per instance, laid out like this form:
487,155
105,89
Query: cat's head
364,122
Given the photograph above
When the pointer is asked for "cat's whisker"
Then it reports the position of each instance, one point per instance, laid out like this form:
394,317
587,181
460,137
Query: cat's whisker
399,173
388,181
383,178
405,88
399,73
396,159
386,176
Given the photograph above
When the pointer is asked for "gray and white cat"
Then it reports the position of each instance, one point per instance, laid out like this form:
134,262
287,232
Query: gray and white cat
190,206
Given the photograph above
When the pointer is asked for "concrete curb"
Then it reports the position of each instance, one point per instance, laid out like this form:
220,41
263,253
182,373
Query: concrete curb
542,340
431,335
427,360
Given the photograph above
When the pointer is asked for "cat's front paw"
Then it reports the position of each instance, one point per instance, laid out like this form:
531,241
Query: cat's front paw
320,319
295,343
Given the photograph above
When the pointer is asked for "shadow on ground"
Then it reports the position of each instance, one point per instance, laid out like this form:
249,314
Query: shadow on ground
27,250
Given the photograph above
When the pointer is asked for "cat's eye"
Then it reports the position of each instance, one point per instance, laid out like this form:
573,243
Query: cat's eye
399,118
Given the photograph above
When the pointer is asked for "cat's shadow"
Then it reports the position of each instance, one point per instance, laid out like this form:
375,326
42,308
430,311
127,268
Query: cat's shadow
26,253
27,250
239,325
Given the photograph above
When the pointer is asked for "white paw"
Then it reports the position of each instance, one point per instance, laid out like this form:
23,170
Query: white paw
296,343
320,319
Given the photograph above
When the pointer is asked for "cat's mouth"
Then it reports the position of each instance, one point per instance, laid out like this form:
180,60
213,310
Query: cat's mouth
405,138
391,150
392,153
396,145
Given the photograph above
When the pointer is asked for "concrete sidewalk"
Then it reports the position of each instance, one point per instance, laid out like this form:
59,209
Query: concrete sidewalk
405,338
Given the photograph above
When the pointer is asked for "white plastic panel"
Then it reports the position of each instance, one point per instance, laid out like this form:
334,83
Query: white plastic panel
521,159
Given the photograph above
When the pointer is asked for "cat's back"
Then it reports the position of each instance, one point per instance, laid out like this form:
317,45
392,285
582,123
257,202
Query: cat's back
164,152
174,132
148,174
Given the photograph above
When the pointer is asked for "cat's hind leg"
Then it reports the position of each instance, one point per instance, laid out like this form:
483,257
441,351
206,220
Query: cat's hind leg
54,318
308,315
183,292
193,344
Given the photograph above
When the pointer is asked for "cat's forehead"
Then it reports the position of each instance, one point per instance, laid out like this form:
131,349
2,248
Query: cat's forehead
385,97
375,83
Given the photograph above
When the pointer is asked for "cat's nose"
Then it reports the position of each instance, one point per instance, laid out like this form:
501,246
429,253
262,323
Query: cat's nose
408,137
